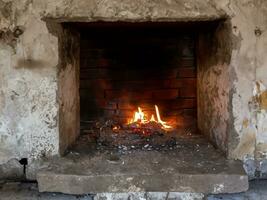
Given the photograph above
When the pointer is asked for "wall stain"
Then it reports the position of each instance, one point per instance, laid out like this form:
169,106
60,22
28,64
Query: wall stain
5,9
260,98
30,63
246,145
11,36
245,123
263,100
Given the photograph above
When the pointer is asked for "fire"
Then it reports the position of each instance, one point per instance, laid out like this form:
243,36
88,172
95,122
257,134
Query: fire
164,124
140,117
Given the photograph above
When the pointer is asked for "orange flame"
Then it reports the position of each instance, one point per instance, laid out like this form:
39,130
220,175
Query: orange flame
140,117
164,124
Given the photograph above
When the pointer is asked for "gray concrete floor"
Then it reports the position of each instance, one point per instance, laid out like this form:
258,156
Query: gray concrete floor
257,191
29,191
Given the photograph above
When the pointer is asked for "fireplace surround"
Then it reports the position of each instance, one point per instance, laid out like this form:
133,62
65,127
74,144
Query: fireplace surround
111,69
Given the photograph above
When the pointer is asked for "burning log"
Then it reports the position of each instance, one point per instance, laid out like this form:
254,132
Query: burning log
140,124
145,129
141,132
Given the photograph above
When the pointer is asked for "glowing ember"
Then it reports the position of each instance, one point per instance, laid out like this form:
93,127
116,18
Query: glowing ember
116,128
140,117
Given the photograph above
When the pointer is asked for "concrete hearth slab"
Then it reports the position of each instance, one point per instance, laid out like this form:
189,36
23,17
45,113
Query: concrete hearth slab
193,166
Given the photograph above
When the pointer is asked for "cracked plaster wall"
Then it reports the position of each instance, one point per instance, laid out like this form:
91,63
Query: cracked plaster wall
249,62
29,66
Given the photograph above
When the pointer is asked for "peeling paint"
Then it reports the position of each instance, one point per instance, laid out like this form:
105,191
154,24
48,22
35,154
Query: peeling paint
246,145
263,100
260,95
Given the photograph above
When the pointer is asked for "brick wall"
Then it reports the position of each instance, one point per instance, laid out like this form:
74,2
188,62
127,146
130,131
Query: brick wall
126,67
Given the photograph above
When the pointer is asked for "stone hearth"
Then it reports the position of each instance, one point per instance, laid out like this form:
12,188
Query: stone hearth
193,165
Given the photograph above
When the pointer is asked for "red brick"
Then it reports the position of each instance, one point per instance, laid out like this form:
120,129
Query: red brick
121,120
125,113
137,85
172,113
128,95
186,72
118,113
166,94
99,83
188,92
117,86
109,113
92,93
183,103
182,82
105,104
124,74
190,113
187,62
126,105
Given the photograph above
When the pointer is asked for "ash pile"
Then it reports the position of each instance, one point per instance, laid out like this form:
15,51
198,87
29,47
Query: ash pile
125,138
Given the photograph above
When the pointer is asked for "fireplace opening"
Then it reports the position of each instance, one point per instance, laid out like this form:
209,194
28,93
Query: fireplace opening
137,84
144,85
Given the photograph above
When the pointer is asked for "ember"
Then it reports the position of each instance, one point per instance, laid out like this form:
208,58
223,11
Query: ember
140,120
116,128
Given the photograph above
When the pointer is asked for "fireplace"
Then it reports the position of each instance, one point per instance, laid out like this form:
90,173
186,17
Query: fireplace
144,107
137,82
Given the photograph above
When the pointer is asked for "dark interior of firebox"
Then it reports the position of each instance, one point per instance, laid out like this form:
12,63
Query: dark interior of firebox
124,66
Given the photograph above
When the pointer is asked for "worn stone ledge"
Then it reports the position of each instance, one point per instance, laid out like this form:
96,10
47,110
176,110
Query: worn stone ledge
194,167
134,11
201,183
